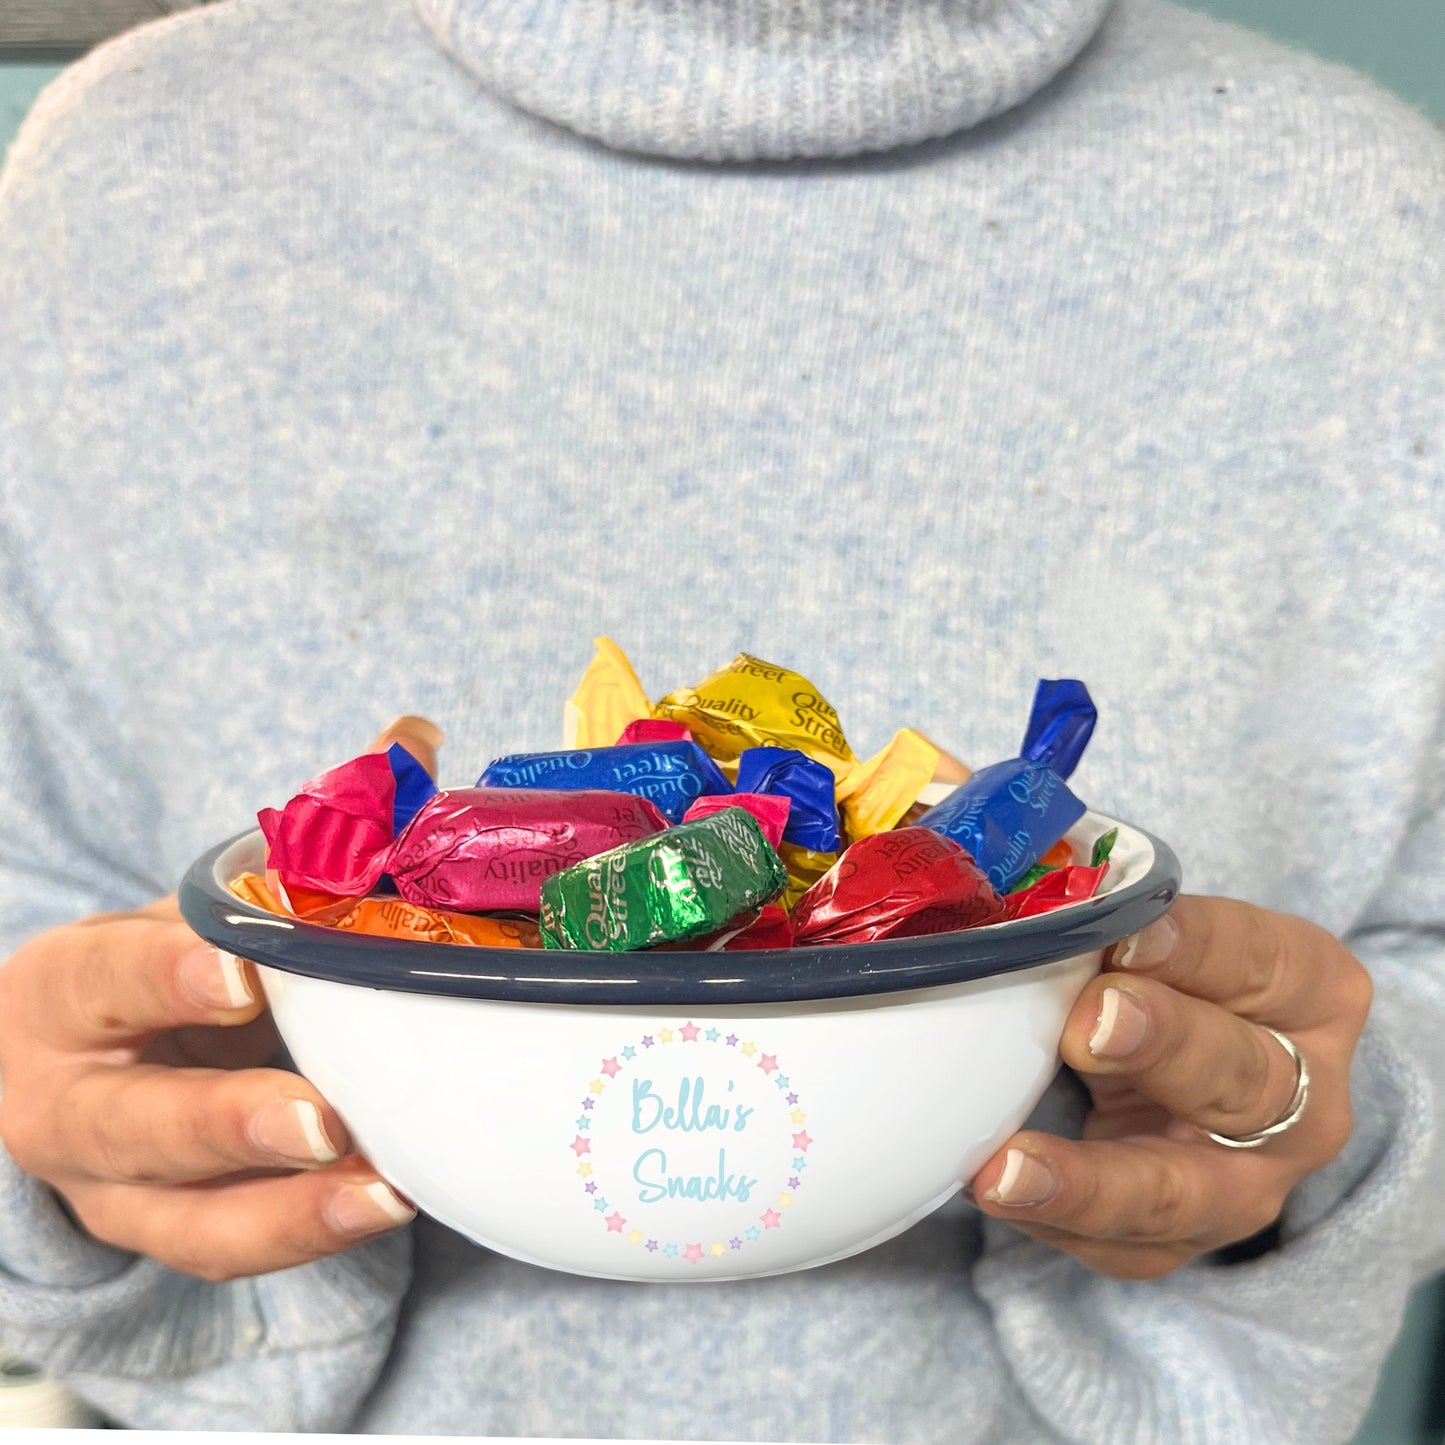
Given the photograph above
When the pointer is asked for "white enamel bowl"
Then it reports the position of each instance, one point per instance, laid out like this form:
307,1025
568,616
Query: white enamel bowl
682,1116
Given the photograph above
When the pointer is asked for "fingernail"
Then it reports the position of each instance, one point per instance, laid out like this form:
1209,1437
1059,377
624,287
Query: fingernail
422,728
292,1129
367,1208
1025,1180
1149,946
215,979
1121,1027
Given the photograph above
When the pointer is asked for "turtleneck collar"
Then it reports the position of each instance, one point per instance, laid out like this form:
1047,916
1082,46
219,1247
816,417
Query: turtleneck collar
738,80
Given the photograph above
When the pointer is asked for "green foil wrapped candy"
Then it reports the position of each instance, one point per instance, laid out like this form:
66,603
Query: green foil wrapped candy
681,884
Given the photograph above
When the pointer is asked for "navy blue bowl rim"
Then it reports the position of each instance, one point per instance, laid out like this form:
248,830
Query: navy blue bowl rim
670,977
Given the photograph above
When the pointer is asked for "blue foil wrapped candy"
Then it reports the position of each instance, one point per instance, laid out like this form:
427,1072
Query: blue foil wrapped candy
670,775
1008,815
414,785
813,818
1060,725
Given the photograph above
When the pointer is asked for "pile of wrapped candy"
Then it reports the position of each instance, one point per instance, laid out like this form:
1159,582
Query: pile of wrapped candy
729,815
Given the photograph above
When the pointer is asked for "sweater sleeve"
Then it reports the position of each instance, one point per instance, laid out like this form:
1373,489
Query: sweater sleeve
1288,1346
79,819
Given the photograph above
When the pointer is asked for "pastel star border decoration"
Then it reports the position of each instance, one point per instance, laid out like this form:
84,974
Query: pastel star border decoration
693,1251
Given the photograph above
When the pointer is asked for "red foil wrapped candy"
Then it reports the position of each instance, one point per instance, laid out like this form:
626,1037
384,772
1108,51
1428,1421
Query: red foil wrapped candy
772,928
1056,888
899,884
769,927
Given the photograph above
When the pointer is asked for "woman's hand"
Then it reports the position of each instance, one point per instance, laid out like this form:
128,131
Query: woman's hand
132,1054
1168,1042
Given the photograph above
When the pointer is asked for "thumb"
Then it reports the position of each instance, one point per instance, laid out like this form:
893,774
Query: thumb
418,735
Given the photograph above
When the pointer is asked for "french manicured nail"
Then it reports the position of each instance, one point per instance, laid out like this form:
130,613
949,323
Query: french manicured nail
215,979
367,1208
1121,1027
1149,946
1025,1180
292,1129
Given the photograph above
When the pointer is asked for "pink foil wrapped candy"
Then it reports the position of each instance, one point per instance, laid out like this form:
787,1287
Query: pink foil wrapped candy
334,835
476,849
770,809
655,730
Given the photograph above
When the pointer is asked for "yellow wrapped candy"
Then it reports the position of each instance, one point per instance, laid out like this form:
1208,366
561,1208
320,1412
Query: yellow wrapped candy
877,793
607,699
805,867
751,703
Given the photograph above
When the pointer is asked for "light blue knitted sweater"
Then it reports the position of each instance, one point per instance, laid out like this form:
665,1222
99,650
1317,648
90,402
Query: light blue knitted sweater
358,358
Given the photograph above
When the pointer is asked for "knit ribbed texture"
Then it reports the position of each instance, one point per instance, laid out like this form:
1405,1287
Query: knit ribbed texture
745,80
338,380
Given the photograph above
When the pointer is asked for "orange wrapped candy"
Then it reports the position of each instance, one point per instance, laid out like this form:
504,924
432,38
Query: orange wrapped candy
396,918
272,894
253,889
308,903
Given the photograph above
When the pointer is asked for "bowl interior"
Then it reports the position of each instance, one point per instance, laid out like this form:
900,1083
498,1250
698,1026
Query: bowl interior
1131,858
1143,880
